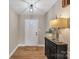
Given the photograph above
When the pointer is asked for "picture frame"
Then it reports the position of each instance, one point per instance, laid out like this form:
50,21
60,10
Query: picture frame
65,3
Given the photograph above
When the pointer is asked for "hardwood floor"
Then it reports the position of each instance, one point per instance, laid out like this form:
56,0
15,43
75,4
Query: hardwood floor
29,52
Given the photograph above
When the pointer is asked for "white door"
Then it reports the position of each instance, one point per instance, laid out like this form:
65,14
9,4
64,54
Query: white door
31,32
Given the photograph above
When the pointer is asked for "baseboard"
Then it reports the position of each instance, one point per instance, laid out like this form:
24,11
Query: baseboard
41,45
31,45
13,51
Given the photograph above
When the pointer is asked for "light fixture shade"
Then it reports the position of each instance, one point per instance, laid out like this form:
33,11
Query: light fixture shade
59,23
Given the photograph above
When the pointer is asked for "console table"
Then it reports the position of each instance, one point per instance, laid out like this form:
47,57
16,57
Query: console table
55,50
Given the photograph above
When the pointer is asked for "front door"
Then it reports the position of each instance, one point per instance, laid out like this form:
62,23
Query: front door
31,32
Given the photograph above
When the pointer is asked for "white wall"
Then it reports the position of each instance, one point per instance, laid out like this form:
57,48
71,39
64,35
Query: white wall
13,29
41,25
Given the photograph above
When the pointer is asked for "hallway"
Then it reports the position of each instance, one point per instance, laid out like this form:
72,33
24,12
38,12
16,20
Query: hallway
29,52
30,23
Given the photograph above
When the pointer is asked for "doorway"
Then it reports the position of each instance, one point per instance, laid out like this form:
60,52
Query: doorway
31,32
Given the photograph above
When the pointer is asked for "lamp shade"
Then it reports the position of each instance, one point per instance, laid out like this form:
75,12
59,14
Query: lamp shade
59,23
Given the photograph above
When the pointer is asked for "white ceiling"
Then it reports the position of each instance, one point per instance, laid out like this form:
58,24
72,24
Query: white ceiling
41,7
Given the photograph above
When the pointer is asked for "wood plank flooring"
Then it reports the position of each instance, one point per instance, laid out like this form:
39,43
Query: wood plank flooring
29,52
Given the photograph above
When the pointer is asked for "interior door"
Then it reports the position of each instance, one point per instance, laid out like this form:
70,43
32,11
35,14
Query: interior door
31,32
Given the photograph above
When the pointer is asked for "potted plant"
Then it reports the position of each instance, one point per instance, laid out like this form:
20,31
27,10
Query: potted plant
50,33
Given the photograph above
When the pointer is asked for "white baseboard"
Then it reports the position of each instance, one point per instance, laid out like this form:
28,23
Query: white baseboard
31,45
13,51
41,45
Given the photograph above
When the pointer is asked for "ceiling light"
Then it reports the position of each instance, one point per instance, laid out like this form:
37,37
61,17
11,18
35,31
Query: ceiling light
31,9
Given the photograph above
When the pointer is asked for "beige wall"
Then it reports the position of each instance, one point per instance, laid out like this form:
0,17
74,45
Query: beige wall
13,29
41,33
58,11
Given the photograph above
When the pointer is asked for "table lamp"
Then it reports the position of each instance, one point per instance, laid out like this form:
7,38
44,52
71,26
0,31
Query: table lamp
60,23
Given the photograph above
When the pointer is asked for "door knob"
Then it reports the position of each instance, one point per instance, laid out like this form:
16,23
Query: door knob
36,33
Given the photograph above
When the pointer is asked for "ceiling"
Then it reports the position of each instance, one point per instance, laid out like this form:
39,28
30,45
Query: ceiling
40,7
